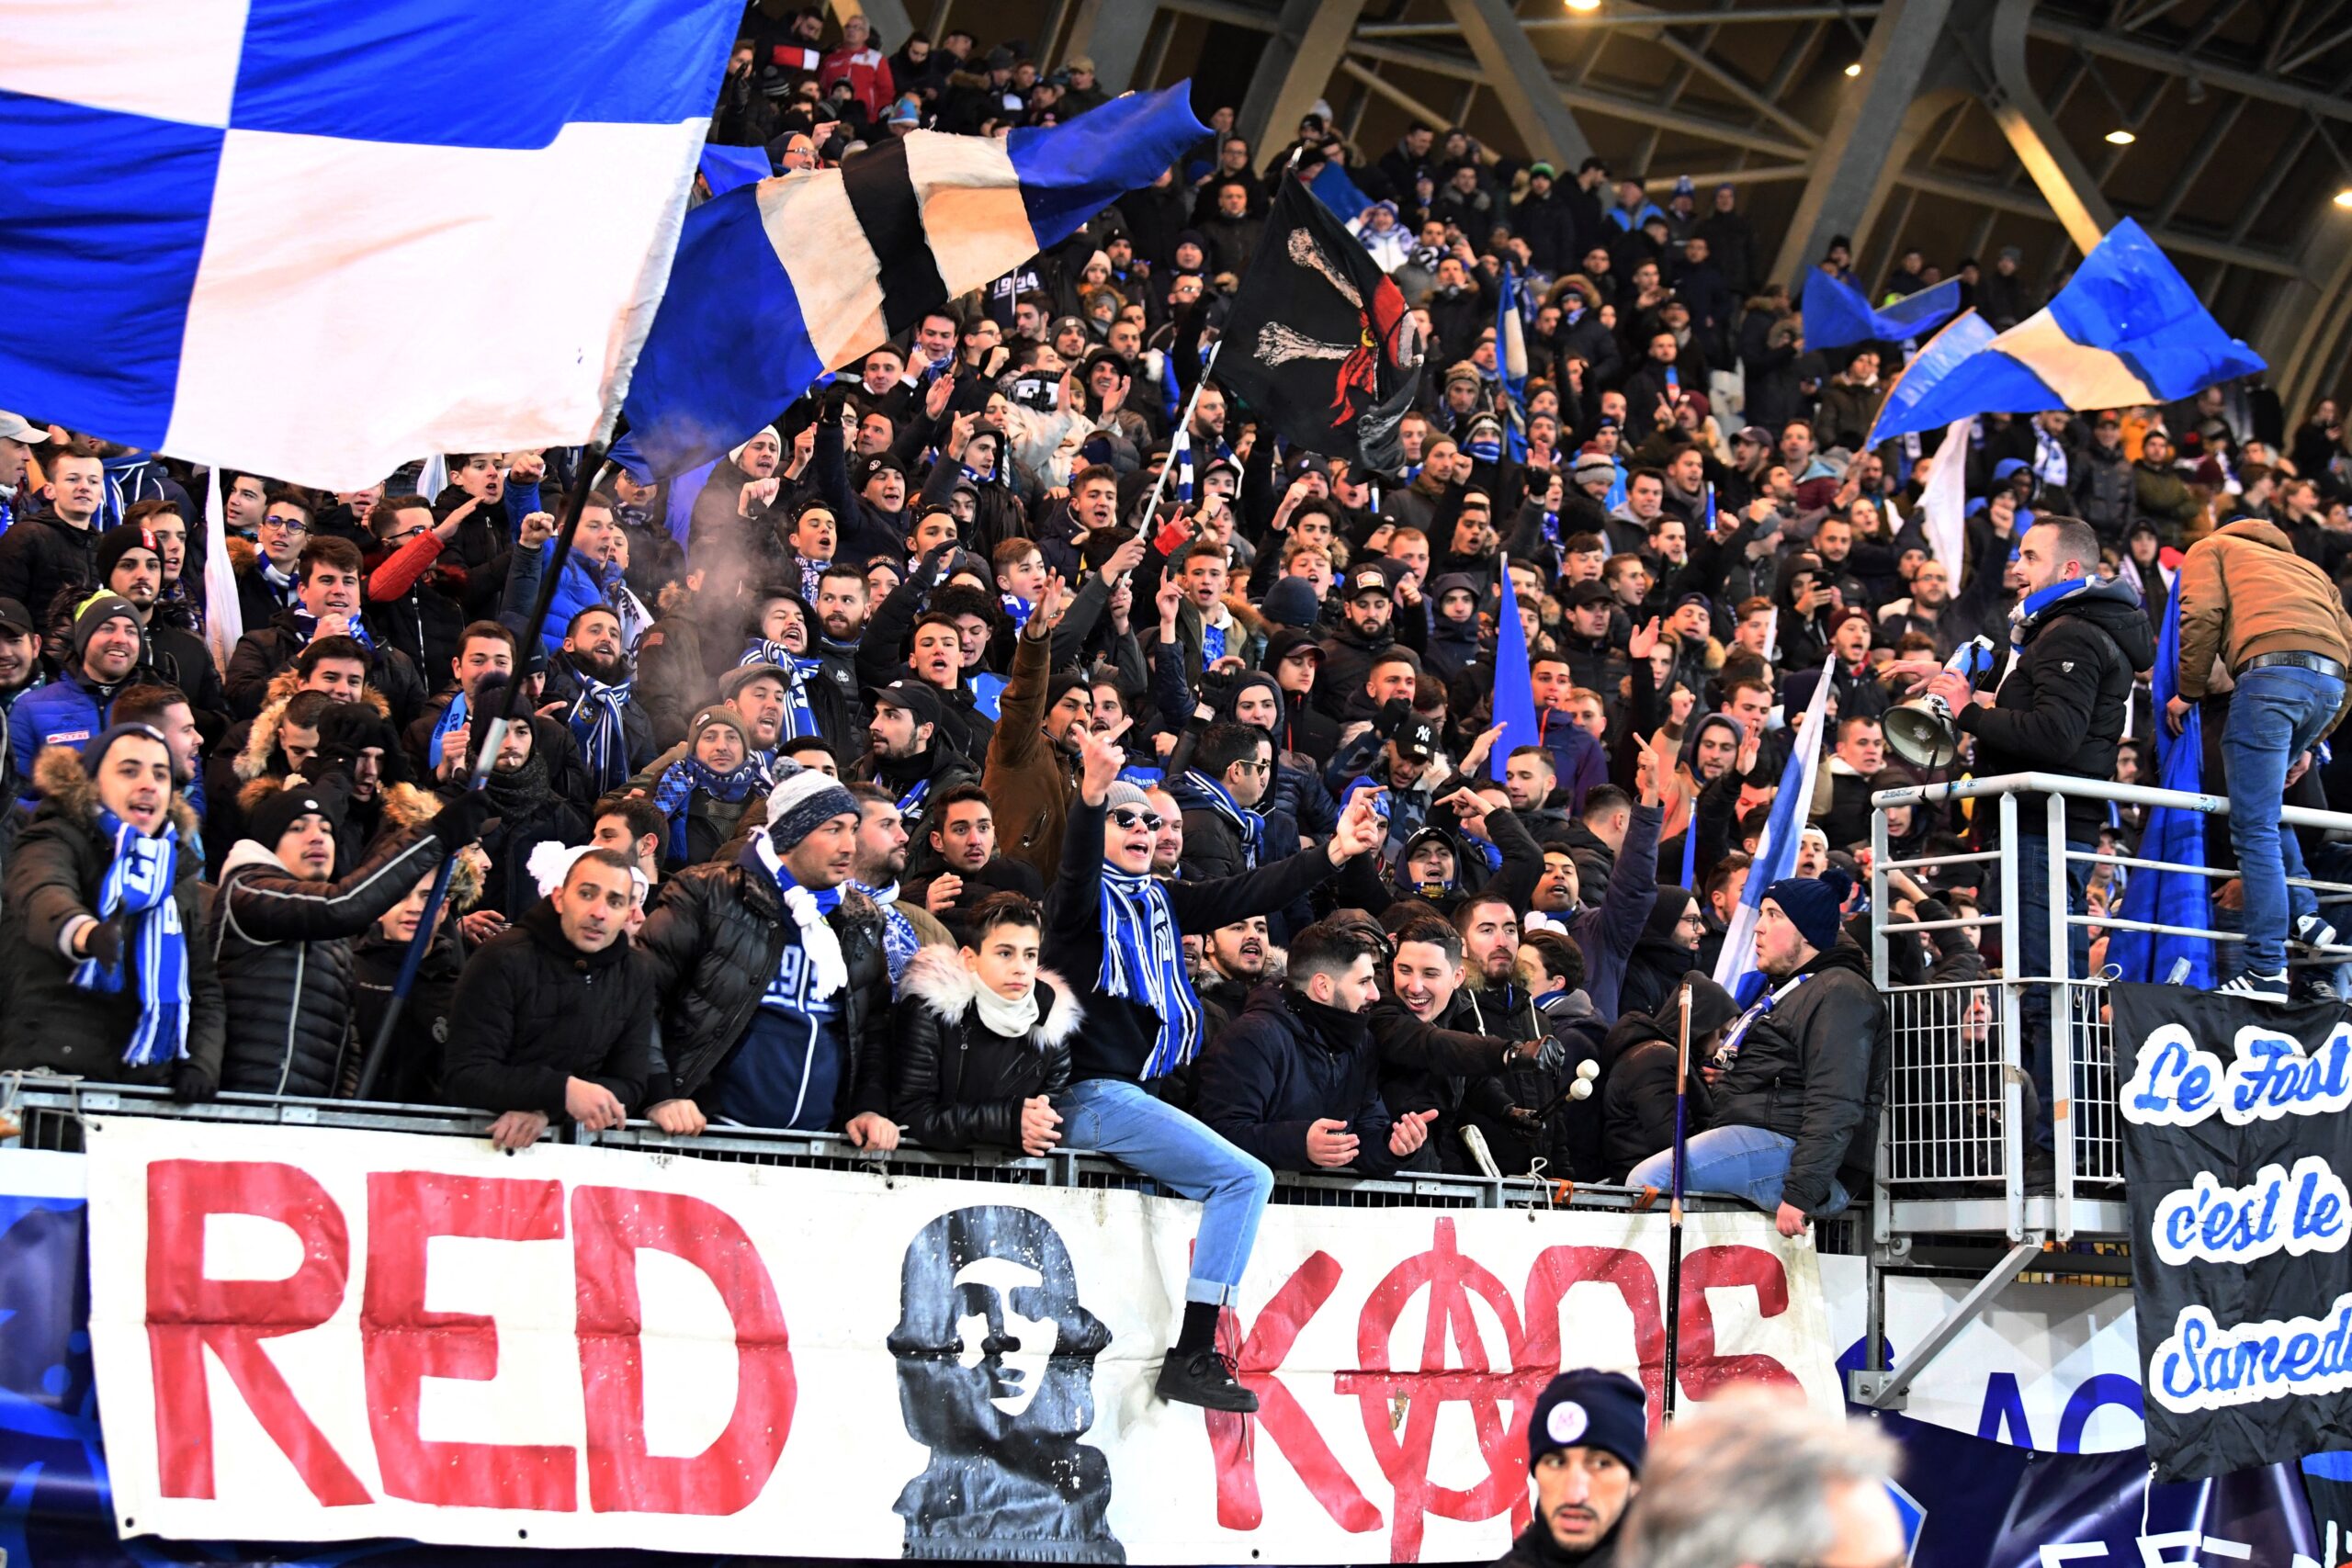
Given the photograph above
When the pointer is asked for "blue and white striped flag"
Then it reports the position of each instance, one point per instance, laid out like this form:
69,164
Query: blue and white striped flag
781,280
1186,479
351,189
1776,849
1510,360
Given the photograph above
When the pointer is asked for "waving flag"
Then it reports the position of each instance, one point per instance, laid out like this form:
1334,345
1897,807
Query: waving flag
312,238
1514,706
1943,505
1510,358
2170,898
725,168
1776,851
1837,315
1337,192
1180,459
779,281
2127,330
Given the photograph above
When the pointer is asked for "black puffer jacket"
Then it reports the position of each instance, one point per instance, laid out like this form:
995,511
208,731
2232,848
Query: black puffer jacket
955,1081
55,870
533,1012
1814,1069
282,943
714,939
1285,1065
42,554
2062,709
266,649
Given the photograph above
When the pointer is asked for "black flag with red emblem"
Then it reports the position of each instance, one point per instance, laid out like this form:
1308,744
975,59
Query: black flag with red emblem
1319,343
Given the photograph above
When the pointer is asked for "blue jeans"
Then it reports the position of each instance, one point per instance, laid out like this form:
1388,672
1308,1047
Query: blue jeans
1746,1162
2033,956
2276,713
1186,1157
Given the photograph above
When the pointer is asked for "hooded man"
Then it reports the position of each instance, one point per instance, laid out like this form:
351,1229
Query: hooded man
1803,1070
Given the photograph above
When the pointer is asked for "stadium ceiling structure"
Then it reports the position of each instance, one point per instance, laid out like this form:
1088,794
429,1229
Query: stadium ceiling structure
1961,127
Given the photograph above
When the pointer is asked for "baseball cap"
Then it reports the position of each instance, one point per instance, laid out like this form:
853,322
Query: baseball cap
911,697
1416,738
16,427
1755,434
1366,580
1591,593
14,619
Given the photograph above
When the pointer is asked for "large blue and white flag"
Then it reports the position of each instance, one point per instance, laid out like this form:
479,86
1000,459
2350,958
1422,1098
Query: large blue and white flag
781,280
2126,330
1776,849
1180,460
312,238
1514,704
1837,314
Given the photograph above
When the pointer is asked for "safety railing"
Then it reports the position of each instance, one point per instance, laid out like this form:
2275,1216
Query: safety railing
48,1112
1955,1143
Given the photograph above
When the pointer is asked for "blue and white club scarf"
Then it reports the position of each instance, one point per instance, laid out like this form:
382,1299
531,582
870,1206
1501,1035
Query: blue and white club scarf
1196,785
356,629
137,888
453,717
1143,961
598,721
898,939
799,717
673,796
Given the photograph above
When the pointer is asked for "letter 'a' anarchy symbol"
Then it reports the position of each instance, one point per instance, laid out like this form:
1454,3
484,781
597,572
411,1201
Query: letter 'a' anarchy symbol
1403,1454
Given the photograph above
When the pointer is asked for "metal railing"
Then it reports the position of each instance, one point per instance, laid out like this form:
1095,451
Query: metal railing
1953,1153
50,1113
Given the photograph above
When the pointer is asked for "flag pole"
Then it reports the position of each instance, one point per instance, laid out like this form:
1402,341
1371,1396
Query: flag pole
1183,423
575,501
1674,1205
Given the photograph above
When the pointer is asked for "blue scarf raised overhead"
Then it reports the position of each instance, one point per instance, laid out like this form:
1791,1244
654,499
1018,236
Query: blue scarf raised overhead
137,890
453,717
1142,962
673,796
1212,644
1017,608
598,721
1196,789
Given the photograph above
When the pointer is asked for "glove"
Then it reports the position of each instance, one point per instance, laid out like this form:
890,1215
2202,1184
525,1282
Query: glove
191,1083
104,942
1523,1121
460,822
835,399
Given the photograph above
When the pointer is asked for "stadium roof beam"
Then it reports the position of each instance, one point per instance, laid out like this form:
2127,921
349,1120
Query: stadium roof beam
2175,61
1612,105
1871,131
1310,38
1113,34
1520,80
1640,17
2033,135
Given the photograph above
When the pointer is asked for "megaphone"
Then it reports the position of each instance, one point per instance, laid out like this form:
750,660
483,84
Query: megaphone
1921,731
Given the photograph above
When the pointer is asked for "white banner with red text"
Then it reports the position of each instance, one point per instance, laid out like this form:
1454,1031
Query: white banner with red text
328,1335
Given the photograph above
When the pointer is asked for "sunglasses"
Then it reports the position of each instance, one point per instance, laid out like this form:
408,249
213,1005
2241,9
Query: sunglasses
1128,819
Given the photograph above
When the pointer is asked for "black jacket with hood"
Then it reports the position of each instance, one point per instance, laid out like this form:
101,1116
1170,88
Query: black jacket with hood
956,1082
1286,1063
532,1011
1814,1069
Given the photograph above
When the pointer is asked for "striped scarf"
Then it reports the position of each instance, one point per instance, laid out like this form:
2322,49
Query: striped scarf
599,723
800,718
1017,610
138,887
898,939
1197,788
356,629
1143,961
674,797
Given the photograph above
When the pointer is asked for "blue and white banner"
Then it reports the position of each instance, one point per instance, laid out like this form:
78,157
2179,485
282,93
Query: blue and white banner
312,238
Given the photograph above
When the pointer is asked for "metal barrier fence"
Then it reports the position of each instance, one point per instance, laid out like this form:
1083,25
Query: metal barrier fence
1954,1154
50,1110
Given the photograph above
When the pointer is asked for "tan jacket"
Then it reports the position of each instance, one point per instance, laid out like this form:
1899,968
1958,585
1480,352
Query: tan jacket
2244,591
1028,783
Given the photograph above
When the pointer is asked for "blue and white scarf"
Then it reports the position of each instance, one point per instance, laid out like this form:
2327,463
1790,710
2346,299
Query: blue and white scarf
1142,962
911,803
1728,1052
281,585
2030,609
138,887
1018,609
1197,788
1212,644
453,717
673,796
898,939
800,718
308,625
599,722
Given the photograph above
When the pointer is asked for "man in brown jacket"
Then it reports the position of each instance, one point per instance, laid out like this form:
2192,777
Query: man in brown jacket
1032,772
2277,624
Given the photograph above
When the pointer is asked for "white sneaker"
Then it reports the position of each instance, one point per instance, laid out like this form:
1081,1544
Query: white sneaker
2312,930
2252,986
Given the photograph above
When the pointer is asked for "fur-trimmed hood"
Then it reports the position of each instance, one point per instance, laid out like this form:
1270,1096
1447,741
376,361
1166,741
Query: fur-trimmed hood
253,762
936,976
58,775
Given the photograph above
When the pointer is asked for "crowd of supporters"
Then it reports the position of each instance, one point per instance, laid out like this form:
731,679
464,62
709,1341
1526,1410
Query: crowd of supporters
904,775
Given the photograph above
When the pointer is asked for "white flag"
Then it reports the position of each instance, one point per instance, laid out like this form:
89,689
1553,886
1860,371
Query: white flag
1943,505
224,620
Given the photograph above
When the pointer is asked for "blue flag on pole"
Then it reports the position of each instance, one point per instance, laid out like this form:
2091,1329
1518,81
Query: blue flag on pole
2126,330
1837,315
1510,358
779,281
1514,706
1185,478
723,168
1776,849
358,189
2170,898
1337,192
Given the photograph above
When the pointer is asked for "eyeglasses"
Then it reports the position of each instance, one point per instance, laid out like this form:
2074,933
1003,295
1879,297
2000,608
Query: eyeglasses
1128,819
286,525
404,536
1255,767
